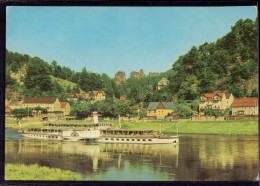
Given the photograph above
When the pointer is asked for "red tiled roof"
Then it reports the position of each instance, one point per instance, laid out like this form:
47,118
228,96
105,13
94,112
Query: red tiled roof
208,95
220,94
245,102
71,95
228,95
8,109
39,100
63,104
95,92
82,96
122,97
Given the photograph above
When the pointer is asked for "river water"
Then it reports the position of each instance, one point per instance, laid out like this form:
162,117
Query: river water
195,158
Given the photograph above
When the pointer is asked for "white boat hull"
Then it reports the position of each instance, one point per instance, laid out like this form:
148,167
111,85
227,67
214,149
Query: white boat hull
43,136
68,135
71,135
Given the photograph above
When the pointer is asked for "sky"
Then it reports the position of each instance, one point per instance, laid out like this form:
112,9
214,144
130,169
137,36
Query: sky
109,39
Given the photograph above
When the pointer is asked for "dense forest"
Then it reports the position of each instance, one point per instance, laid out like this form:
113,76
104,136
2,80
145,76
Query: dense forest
228,64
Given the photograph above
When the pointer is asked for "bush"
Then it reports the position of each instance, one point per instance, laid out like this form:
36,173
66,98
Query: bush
36,172
184,110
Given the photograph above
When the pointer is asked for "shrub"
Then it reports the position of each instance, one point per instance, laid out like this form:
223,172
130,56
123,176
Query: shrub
36,172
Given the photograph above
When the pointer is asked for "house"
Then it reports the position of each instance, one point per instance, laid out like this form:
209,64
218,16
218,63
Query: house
216,100
98,95
72,97
76,97
123,98
8,110
159,110
52,104
162,83
245,106
65,107
10,107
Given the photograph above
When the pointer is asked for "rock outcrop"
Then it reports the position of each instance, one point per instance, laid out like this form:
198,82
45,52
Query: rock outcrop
137,75
120,78
152,74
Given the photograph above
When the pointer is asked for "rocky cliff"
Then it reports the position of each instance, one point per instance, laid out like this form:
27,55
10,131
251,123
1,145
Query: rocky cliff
137,75
120,78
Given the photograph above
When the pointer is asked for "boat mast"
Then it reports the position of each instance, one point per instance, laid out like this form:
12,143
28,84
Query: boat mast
119,121
177,125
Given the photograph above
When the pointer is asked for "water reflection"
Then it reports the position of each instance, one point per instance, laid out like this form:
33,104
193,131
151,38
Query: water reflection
197,157
87,158
209,157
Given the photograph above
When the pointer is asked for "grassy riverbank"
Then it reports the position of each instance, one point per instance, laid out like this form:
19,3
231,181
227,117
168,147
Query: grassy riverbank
197,127
36,172
184,127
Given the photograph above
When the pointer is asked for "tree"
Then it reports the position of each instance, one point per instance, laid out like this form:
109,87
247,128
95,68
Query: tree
22,112
81,110
212,112
37,81
189,88
105,107
121,108
76,89
195,105
254,93
68,89
39,110
183,110
83,81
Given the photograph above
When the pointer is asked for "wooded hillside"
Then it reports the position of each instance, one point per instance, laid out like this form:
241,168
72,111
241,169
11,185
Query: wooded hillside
229,64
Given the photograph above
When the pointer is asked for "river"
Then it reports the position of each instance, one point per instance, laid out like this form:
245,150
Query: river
195,158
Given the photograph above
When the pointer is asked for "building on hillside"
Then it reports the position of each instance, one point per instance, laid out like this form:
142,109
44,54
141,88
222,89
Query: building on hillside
160,110
216,100
98,95
76,97
123,98
8,111
65,107
10,107
245,106
72,97
51,104
162,83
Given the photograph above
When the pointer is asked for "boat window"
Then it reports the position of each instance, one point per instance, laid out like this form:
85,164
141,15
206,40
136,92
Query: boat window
123,139
117,139
133,139
112,138
127,139
144,140
106,138
138,139
149,139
